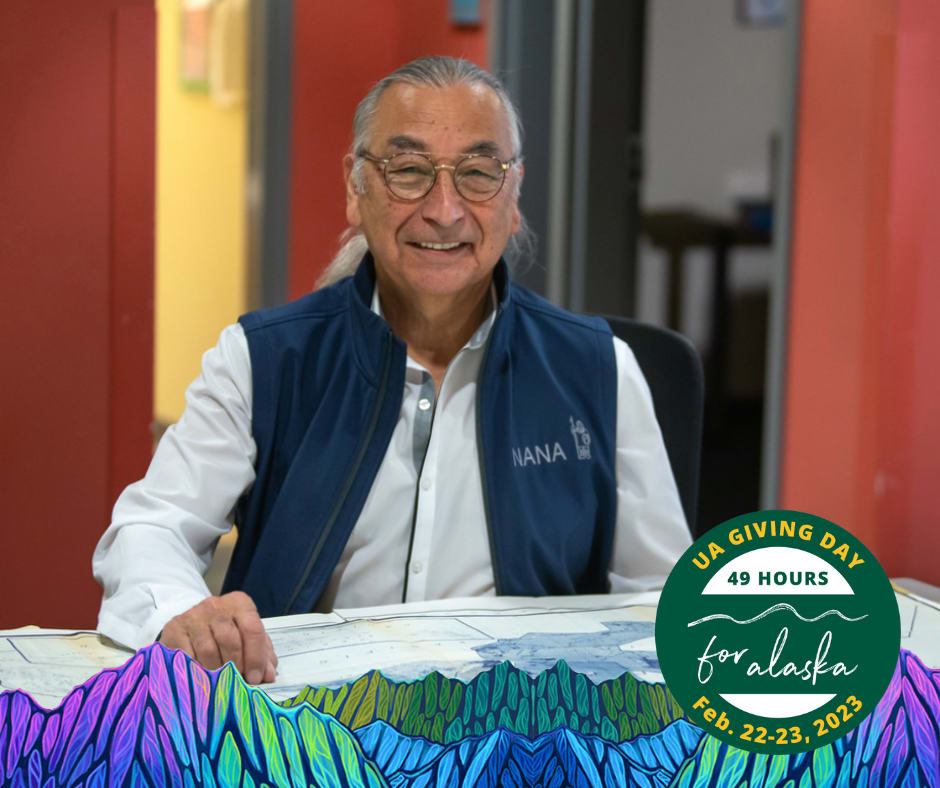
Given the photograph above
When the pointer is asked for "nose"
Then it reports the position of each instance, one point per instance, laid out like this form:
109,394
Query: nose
443,205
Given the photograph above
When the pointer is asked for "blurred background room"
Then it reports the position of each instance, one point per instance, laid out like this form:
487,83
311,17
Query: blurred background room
756,174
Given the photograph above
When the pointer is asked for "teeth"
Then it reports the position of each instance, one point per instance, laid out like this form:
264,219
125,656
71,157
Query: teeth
439,246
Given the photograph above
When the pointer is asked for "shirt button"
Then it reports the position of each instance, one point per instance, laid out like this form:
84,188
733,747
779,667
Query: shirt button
424,403
426,484
416,567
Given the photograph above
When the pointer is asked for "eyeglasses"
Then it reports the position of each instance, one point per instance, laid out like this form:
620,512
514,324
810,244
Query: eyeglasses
410,176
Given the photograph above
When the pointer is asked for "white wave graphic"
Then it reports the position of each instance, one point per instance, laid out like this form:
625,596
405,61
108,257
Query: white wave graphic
775,608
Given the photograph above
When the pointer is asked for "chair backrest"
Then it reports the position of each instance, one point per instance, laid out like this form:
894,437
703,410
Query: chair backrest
673,370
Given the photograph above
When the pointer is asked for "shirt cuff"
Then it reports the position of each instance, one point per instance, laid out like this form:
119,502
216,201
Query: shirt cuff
135,635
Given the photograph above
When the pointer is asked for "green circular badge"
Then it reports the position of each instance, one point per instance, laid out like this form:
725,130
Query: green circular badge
777,631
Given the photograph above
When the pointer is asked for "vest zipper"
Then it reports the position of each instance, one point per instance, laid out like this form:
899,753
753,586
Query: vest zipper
414,511
347,484
411,539
483,484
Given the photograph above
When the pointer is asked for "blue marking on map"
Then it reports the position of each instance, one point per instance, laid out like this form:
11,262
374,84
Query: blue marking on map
596,654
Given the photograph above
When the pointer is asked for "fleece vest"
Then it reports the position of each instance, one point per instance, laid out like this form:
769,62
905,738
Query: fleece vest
328,377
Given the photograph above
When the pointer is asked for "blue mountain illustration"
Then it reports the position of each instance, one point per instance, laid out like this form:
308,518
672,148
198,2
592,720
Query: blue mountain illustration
560,758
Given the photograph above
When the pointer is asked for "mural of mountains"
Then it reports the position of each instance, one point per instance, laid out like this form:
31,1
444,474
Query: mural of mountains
501,758
446,710
161,719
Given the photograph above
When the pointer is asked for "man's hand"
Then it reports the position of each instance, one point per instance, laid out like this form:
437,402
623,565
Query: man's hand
223,628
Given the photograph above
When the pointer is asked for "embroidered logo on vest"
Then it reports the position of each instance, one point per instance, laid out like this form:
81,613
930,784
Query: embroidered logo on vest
582,438
538,454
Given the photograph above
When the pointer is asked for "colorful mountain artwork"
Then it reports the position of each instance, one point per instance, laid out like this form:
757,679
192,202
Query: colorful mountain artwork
161,719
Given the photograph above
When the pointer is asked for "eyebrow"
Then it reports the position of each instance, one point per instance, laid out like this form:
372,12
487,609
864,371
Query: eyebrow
405,143
486,147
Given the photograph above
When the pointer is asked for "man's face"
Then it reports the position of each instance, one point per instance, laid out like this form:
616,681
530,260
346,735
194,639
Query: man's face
446,123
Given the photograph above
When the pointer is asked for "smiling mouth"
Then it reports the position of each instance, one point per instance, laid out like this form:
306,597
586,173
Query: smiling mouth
439,247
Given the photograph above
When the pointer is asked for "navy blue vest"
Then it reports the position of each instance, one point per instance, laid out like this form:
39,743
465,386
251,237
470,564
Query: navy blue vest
328,376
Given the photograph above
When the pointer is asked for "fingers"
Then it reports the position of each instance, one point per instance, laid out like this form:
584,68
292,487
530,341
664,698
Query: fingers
254,644
269,671
191,631
223,629
174,635
224,633
259,659
272,660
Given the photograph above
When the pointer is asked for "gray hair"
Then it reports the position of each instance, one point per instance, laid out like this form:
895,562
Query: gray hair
439,72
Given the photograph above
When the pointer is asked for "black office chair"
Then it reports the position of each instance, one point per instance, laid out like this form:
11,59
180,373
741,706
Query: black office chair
673,371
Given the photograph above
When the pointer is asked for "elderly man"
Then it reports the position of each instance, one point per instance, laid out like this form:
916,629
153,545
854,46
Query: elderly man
420,429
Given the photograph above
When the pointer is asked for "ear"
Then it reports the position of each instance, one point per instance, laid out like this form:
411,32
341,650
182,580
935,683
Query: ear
353,215
516,216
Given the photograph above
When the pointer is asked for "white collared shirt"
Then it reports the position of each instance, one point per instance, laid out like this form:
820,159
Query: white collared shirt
422,532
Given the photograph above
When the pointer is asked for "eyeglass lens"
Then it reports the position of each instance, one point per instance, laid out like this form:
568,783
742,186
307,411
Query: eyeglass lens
476,178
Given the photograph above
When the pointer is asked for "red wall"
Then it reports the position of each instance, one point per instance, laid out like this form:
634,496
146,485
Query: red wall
862,420
340,51
76,262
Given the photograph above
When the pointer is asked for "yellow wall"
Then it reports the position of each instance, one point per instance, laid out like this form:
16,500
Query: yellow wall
201,255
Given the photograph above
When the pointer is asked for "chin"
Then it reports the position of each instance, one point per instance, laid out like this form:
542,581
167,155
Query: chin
444,275
441,283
